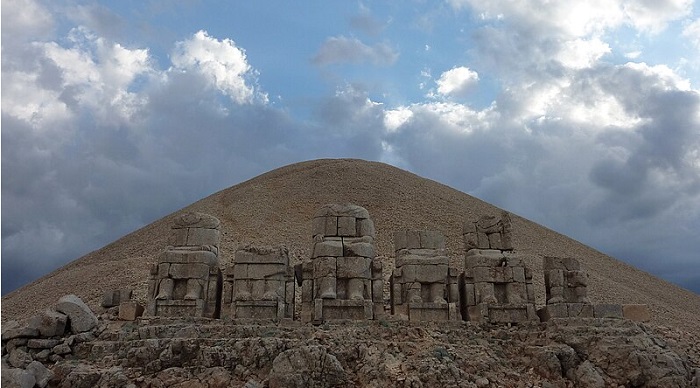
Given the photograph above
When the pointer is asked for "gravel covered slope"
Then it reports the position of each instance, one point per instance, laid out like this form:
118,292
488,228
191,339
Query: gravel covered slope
276,208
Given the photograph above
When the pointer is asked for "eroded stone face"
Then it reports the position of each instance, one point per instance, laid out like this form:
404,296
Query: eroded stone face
187,280
489,232
342,273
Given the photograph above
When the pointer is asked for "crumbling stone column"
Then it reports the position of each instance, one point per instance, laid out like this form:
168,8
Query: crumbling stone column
566,290
343,280
423,286
259,284
496,285
186,281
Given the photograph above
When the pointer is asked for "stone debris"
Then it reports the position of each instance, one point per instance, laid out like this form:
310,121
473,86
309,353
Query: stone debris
259,284
423,285
79,314
186,281
307,366
343,280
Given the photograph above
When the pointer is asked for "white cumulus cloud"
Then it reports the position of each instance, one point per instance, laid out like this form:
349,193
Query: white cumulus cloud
457,81
222,63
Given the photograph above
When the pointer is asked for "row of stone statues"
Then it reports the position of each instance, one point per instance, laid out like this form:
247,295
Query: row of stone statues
343,278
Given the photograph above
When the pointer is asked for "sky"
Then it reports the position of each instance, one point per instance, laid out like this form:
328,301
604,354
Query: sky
583,116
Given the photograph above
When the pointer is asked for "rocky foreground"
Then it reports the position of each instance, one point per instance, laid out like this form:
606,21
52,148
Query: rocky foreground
200,352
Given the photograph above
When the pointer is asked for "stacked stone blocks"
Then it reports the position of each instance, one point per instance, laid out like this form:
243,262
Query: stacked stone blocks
186,281
496,285
566,290
259,284
343,279
423,285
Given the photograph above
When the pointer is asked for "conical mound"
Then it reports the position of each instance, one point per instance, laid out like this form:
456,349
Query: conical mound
277,207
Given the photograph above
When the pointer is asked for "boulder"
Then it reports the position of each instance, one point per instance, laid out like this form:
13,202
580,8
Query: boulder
49,323
81,317
17,378
42,375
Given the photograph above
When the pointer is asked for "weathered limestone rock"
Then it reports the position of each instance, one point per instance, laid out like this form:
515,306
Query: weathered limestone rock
343,279
13,329
423,286
18,358
49,323
15,377
565,290
42,375
114,297
496,285
81,317
130,310
186,281
259,284
307,366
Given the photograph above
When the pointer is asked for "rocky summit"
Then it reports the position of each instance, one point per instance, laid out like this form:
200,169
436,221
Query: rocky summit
348,273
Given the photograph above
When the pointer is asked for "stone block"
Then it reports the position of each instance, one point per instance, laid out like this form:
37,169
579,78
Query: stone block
112,298
469,295
608,311
495,241
482,240
79,314
338,210
430,239
428,312
636,312
130,310
266,271
504,274
484,274
566,264
400,240
178,237
62,349
183,256
189,271
239,271
554,278
362,249
203,237
518,274
163,270
347,227
413,239
365,227
580,310
483,258
18,358
516,293
328,248
550,311
432,273
49,323
353,267
411,259
470,241
324,266
576,279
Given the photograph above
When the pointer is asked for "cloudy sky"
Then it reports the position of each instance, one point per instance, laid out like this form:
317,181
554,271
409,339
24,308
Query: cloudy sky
583,115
